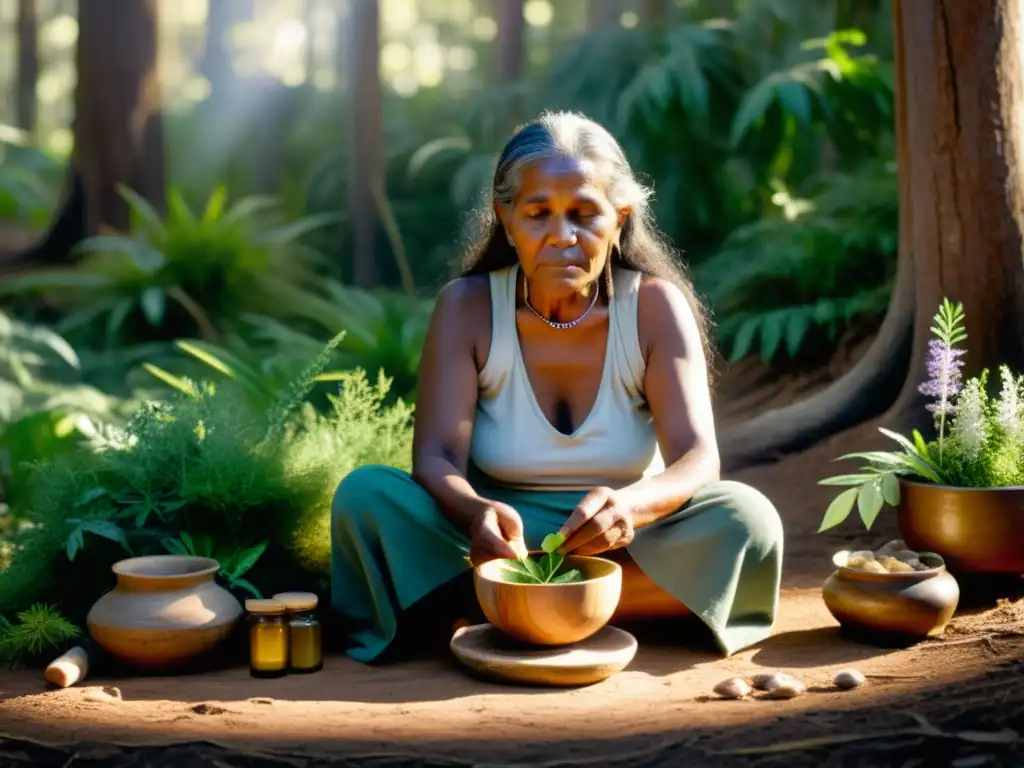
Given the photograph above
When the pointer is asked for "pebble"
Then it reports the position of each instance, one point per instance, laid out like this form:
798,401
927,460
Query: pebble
786,692
906,555
873,566
896,545
783,680
893,564
733,688
760,682
848,679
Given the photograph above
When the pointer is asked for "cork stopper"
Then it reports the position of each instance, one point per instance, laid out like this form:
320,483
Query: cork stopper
265,607
297,601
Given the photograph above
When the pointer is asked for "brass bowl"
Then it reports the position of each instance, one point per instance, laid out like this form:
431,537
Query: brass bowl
975,530
551,614
911,605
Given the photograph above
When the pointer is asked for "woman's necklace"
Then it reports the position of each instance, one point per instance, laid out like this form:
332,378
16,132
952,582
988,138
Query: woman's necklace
557,325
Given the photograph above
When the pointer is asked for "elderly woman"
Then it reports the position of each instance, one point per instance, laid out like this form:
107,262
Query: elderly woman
563,387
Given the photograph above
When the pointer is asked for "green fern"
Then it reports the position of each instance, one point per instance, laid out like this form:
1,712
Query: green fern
40,629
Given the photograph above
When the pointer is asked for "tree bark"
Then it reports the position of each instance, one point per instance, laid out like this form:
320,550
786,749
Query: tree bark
28,65
965,93
118,128
960,147
509,14
366,127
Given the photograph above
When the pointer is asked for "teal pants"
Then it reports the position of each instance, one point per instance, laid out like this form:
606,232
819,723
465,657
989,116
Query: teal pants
720,555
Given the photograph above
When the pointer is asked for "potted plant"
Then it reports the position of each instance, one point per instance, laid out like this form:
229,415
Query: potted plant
960,495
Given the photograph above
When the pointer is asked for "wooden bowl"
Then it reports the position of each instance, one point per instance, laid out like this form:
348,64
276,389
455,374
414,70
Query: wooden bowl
551,614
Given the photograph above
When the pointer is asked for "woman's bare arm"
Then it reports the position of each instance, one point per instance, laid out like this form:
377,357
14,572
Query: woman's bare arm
446,403
677,391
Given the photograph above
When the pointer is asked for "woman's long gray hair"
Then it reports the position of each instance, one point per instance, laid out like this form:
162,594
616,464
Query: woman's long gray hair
565,134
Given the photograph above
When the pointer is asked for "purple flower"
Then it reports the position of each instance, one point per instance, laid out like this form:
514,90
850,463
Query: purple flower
944,378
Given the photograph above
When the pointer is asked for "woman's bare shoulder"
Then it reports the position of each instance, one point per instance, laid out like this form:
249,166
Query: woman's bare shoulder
463,313
465,300
664,314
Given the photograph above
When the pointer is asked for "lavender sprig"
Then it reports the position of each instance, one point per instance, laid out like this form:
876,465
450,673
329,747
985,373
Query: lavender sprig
945,378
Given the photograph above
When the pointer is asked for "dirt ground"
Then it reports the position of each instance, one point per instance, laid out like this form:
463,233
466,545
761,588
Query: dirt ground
957,700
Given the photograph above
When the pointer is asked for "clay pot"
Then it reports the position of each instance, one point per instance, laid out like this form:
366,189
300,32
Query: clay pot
911,605
165,611
975,530
551,614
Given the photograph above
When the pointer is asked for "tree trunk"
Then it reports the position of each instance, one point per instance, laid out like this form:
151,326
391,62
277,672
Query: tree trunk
961,143
28,65
965,93
366,127
118,129
215,63
604,13
509,14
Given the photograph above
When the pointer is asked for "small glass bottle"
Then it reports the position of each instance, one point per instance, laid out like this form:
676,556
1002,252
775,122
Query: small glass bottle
305,650
268,638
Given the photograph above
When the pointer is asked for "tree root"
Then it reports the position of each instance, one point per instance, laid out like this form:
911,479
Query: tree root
864,392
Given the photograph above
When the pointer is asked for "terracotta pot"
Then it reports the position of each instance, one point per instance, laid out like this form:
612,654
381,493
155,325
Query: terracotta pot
551,614
915,604
975,530
165,611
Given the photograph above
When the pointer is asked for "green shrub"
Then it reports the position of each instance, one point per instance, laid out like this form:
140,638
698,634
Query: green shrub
209,472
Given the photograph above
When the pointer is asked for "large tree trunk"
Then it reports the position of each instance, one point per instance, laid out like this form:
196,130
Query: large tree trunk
118,129
28,65
509,64
960,138
965,93
366,127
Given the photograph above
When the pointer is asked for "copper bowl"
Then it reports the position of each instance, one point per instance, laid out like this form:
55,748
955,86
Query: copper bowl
551,614
914,605
975,530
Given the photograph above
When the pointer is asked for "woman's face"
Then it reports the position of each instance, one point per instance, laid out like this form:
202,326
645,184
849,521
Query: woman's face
562,225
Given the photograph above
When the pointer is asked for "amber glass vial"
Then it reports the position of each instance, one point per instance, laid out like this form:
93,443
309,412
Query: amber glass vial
268,638
305,649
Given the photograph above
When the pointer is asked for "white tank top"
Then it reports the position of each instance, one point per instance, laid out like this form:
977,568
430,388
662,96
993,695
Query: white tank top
514,443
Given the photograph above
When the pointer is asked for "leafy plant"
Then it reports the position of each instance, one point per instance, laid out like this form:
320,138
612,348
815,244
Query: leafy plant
30,179
234,563
378,331
184,275
809,268
984,447
210,471
40,629
44,407
543,570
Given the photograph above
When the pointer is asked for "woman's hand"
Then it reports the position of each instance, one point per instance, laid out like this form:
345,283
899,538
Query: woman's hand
496,533
601,522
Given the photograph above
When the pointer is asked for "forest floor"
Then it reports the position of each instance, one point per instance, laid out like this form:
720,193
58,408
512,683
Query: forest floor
952,701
